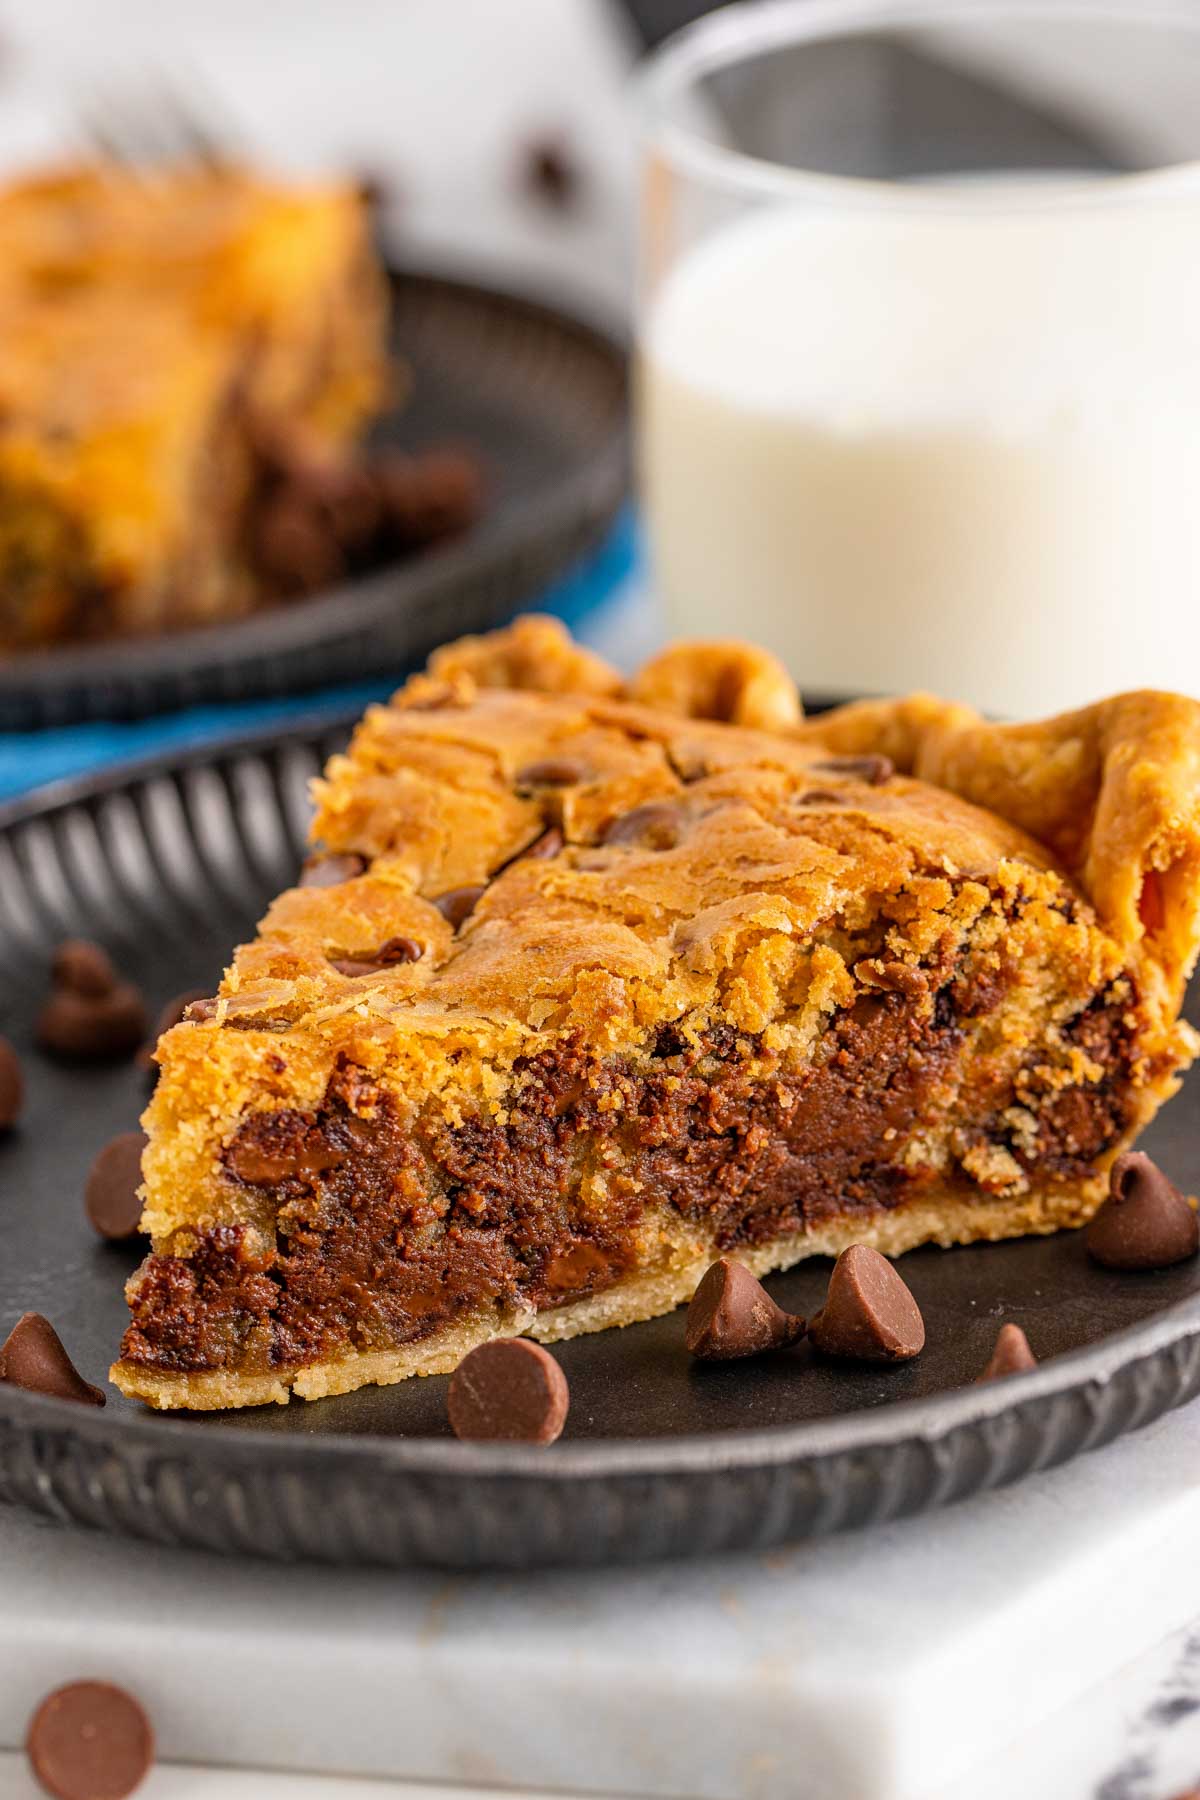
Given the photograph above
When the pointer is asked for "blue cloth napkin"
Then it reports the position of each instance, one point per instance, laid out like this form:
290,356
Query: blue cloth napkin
30,758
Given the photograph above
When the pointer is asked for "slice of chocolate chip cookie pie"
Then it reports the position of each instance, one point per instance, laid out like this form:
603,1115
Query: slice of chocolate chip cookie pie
590,981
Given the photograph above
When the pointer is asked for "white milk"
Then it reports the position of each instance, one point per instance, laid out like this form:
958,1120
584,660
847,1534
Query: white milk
936,449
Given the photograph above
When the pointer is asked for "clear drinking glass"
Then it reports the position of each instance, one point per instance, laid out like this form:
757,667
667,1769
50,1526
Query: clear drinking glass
919,370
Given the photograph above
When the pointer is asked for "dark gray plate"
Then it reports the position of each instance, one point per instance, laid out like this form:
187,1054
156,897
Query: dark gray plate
169,865
537,391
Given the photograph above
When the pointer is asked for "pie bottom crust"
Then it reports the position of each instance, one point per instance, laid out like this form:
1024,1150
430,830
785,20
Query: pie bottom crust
937,1219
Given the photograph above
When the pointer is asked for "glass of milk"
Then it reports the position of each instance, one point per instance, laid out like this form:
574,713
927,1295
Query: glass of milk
919,369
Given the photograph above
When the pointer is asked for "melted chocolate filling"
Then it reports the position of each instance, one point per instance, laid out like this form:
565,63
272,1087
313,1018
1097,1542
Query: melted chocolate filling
383,1234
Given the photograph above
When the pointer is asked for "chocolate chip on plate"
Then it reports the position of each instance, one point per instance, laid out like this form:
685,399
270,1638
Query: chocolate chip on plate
90,1741
1012,1355
91,1013
1145,1223
83,968
872,769
32,1356
510,1390
173,1013
12,1085
731,1314
110,1197
331,871
457,904
869,1314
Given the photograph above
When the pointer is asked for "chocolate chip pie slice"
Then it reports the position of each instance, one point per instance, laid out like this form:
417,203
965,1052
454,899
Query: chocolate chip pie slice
590,982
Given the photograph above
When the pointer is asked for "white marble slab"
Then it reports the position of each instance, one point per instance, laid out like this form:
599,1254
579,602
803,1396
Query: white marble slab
882,1666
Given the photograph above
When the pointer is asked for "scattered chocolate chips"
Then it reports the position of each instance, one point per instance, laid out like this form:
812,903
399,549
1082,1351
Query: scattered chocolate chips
731,1314
90,1741
1012,1355
173,1013
91,1014
110,1197
509,1390
12,1085
658,825
330,871
869,1314
457,904
32,1356
872,769
1145,1223
550,772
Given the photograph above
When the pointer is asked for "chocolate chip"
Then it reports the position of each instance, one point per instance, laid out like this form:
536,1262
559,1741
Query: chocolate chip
89,1028
457,904
1145,1223
199,1012
91,1013
90,1741
552,174
293,549
1012,1355
331,871
550,772
12,1085
435,494
732,1315
397,950
656,826
510,1390
83,968
172,1014
546,847
32,1357
821,797
868,1314
871,769
110,1197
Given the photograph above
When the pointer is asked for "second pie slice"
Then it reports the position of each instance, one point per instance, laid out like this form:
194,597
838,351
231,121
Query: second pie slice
588,989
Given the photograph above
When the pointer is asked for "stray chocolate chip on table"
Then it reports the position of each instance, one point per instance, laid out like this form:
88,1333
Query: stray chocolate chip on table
32,1356
510,1390
90,1741
12,1085
731,1315
1012,1355
110,1197
91,1014
1145,1223
869,1314
552,173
